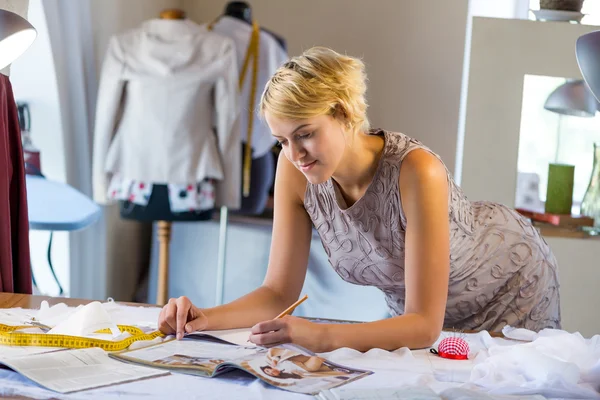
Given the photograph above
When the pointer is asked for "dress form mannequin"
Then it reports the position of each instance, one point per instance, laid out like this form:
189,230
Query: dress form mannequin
262,166
242,10
172,13
158,209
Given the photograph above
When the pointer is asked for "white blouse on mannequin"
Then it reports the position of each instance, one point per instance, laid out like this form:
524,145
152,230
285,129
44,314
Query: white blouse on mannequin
168,110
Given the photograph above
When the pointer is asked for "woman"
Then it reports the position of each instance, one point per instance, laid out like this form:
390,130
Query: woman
389,215
302,366
278,355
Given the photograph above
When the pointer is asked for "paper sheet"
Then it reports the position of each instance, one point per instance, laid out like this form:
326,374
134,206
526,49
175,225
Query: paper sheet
85,321
17,351
74,370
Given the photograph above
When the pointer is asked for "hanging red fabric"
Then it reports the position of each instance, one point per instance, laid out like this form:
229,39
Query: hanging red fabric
15,268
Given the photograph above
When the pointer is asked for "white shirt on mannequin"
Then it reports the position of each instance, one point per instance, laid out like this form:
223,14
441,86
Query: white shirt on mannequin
168,109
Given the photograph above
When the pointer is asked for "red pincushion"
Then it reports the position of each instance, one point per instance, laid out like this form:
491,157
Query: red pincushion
455,348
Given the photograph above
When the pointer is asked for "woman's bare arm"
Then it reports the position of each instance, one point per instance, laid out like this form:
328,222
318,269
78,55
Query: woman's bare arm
287,263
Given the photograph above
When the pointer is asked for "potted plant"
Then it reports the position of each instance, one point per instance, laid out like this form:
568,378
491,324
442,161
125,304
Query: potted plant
561,5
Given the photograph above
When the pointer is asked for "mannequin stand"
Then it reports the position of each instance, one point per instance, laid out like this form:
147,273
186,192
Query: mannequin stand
164,239
158,209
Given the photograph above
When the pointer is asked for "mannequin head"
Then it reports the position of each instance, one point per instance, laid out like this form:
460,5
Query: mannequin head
240,10
172,13
314,105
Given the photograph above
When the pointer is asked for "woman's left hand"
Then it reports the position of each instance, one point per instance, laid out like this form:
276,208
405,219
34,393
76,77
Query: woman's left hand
289,329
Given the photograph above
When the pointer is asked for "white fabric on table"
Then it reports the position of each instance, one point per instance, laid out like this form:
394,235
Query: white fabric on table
53,315
556,364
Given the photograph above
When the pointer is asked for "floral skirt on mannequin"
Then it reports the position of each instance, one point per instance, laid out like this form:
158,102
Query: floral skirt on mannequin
144,201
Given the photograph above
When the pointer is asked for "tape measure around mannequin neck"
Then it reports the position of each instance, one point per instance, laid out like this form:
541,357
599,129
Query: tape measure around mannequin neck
251,52
9,336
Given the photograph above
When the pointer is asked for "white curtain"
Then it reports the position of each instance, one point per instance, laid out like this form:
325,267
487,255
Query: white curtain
71,38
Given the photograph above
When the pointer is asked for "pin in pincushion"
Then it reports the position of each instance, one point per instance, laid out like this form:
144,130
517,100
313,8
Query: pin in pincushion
455,348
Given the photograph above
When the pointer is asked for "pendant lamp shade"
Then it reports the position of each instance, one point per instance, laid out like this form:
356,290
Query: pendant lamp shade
16,35
572,98
587,50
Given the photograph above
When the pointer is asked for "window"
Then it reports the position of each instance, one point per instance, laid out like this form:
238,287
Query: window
547,137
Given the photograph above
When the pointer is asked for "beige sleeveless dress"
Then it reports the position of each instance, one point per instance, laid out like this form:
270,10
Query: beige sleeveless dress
502,271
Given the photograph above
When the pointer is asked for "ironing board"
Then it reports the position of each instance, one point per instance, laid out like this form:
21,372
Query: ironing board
55,206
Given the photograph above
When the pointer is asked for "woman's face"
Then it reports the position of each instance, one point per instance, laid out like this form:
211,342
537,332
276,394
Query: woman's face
274,372
315,146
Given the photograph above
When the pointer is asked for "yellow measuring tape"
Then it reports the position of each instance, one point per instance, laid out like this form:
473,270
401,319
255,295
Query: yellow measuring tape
251,52
10,337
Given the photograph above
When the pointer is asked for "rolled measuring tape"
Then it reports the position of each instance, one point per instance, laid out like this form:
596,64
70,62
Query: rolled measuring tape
10,337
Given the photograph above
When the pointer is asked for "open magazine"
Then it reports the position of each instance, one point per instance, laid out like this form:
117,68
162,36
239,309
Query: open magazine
231,336
288,367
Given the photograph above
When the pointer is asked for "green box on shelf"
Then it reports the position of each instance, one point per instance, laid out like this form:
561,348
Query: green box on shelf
559,196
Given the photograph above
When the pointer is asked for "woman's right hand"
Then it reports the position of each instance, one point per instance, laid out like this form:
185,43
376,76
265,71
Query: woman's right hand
180,316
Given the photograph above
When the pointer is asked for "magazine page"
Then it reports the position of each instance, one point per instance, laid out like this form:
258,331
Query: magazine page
189,356
79,369
297,370
240,336
288,367
232,336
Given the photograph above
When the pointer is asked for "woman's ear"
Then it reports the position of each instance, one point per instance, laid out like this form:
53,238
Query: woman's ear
341,115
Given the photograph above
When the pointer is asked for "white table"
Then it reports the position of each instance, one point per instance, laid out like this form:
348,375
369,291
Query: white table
392,369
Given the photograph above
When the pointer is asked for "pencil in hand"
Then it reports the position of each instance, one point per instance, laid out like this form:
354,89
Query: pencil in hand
291,308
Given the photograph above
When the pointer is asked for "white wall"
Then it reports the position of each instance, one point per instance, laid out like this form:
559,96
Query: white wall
502,53
413,51
480,8
34,81
115,16
499,9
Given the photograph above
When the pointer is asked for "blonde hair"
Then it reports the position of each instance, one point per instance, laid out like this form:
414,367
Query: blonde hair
318,82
